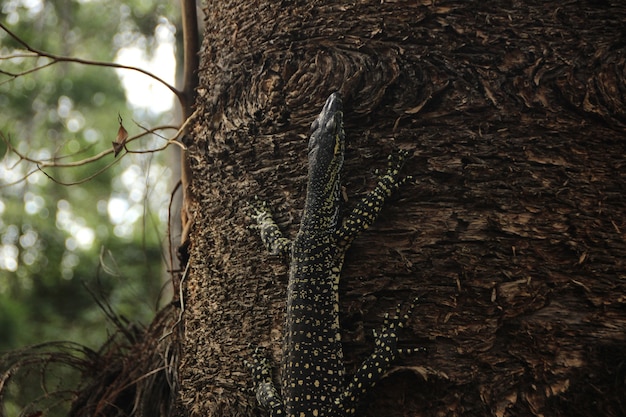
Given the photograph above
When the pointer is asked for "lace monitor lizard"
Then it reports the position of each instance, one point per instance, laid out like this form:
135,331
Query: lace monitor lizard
312,366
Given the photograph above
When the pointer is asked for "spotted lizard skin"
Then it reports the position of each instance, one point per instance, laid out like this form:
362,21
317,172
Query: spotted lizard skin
313,374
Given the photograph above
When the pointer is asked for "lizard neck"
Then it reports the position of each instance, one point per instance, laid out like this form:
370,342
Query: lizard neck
326,153
312,343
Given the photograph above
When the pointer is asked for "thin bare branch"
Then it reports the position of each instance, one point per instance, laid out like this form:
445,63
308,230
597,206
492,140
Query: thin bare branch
21,180
84,180
173,139
16,55
41,166
158,135
53,162
59,58
29,71
186,123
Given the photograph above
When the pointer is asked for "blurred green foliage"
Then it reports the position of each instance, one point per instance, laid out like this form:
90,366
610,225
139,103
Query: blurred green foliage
107,233
61,244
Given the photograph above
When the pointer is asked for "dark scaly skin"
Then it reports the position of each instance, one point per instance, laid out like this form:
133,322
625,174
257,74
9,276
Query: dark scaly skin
313,374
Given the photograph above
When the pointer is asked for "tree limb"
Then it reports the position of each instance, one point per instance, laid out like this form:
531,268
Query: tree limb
180,95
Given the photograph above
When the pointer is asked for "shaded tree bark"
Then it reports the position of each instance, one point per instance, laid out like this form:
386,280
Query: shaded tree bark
512,230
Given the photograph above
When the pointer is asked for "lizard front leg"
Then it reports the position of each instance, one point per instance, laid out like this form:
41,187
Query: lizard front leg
266,393
271,236
366,211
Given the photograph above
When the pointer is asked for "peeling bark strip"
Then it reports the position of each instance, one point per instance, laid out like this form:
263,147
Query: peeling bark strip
515,226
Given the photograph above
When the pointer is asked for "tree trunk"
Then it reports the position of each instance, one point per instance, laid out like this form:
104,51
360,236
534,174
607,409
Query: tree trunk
512,229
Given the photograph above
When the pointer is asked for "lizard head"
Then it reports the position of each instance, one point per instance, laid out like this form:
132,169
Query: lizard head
327,139
326,152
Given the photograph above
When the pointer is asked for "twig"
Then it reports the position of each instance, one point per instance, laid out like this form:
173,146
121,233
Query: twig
59,58
84,180
182,303
53,162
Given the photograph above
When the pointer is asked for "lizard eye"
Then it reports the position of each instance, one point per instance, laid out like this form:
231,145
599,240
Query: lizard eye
331,125
314,126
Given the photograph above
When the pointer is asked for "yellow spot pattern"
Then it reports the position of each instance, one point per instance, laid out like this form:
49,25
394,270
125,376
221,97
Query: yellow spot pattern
312,369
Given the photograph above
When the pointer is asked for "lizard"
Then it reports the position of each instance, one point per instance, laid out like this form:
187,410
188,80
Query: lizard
312,365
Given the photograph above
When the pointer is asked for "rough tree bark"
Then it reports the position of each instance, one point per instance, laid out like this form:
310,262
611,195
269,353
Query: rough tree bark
513,229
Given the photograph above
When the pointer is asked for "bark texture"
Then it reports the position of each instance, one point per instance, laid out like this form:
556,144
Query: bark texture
513,229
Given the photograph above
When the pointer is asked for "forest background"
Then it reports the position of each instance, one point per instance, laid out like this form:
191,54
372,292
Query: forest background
75,235
511,232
